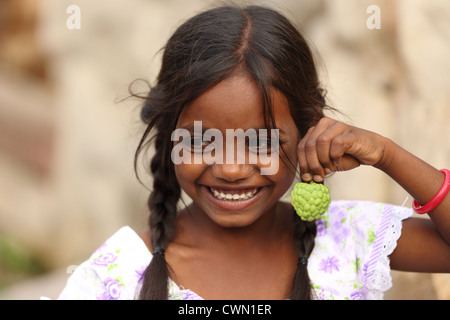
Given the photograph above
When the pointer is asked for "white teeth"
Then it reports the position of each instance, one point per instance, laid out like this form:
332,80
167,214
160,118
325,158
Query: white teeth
235,196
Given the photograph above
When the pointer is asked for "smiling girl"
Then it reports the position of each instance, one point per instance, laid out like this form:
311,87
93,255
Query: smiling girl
248,68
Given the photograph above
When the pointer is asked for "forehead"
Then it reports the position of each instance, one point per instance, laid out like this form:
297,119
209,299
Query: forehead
234,103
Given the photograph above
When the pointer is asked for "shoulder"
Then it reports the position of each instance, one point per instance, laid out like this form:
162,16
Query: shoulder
113,271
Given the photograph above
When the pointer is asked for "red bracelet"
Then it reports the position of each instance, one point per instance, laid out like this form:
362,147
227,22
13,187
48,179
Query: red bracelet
437,198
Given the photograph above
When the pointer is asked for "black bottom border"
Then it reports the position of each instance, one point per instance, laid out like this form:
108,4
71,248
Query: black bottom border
224,309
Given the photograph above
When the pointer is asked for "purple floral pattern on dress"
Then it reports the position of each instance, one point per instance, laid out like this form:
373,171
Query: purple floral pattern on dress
321,227
356,295
189,295
105,259
113,290
140,272
339,229
329,264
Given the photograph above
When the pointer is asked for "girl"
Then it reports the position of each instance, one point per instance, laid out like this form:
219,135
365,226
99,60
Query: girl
249,68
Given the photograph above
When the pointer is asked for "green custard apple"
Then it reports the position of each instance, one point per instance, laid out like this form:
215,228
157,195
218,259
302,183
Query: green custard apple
310,200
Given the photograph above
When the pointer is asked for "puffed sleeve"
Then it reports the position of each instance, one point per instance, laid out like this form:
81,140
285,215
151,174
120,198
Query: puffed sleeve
113,272
354,240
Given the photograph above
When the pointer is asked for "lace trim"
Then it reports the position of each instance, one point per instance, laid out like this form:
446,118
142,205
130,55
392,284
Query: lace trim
378,279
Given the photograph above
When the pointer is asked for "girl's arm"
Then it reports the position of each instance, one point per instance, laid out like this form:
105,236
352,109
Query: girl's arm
425,244
334,146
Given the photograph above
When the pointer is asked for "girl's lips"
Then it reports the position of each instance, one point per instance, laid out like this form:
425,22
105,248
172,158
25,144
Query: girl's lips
234,194
221,197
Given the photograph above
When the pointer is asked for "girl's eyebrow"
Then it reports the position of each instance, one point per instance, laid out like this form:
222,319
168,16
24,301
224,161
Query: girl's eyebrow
190,127
264,128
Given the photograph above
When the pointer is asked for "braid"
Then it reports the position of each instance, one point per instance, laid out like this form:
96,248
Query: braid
163,209
304,235
163,200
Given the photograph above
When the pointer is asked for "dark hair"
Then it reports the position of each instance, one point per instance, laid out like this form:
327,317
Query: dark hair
204,50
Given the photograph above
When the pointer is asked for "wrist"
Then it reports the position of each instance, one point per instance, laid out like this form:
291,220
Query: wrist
388,152
437,199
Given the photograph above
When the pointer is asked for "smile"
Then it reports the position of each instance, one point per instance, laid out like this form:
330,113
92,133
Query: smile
234,195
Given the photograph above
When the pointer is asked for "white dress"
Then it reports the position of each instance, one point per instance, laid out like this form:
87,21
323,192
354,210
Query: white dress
350,259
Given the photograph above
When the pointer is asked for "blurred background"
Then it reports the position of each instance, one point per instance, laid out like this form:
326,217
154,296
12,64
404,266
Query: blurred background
68,137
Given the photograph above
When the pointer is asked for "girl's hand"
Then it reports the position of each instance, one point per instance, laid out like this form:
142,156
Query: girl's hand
334,146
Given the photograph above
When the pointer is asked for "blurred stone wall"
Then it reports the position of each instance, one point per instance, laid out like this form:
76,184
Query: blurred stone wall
67,139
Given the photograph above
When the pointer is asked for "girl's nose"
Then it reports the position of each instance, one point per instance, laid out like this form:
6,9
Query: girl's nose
232,172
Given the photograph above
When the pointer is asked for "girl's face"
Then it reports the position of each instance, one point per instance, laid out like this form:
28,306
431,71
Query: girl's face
230,193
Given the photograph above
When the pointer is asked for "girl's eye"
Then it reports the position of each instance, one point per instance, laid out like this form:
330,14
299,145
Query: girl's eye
198,144
262,145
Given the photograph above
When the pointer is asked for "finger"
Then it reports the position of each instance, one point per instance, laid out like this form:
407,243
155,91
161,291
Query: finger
324,142
338,148
318,145
314,166
301,156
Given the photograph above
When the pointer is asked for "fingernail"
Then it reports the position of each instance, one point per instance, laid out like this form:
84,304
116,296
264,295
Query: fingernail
327,171
317,178
306,177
